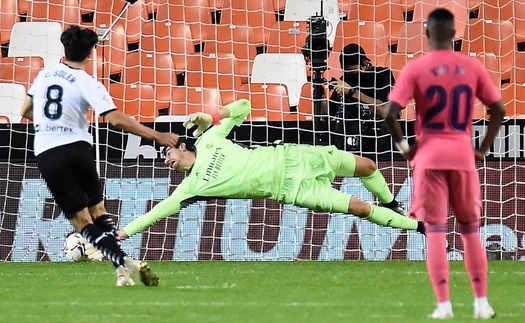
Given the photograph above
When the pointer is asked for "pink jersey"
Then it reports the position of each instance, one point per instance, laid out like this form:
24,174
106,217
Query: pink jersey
444,85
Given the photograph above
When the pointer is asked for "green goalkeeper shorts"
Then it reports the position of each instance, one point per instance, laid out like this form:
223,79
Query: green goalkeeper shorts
309,173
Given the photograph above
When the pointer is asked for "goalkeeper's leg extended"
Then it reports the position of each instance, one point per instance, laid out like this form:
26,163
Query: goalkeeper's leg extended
319,195
364,168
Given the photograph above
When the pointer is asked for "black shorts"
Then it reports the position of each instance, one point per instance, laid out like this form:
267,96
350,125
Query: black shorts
71,176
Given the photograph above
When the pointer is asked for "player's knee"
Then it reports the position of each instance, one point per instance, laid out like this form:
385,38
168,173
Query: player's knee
364,167
359,207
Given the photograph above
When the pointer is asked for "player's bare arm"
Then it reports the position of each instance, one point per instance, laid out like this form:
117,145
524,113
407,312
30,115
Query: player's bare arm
27,108
497,113
392,111
126,123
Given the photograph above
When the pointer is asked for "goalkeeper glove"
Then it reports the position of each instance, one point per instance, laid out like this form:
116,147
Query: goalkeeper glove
92,253
200,119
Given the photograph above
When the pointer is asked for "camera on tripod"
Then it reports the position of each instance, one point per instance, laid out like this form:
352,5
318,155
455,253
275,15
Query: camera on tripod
317,45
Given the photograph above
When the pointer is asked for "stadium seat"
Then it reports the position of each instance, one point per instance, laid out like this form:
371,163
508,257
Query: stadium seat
195,13
520,100
87,6
152,6
155,69
491,64
305,109
12,97
260,15
287,37
396,62
269,102
213,71
348,9
485,35
4,119
135,100
21,70
519,75
23,7
102,70
458,7
287,69
516,11
66,12
113,51
387,12
300,10
279,5
218,4
369,35
37,39
132,20
8,17
169,37
187,100
412,39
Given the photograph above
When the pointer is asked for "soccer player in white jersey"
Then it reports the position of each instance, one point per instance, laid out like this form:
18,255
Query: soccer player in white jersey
57,103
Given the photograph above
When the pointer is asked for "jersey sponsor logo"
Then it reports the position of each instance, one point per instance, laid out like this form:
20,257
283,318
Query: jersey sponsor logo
214,167
56,129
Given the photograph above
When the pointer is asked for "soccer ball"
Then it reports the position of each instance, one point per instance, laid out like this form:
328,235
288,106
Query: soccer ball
75,247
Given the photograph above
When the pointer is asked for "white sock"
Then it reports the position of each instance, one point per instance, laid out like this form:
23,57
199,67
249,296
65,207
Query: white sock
481,301
445,306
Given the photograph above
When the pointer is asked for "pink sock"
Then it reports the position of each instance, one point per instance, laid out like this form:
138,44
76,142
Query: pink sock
475,258
437,263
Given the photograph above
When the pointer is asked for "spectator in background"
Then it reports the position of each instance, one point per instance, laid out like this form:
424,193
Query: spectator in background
358,102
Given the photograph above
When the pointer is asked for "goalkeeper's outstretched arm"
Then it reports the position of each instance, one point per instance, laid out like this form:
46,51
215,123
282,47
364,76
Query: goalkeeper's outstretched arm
231,115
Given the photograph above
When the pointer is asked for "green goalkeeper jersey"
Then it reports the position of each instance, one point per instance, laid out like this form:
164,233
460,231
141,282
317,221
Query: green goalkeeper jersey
223,169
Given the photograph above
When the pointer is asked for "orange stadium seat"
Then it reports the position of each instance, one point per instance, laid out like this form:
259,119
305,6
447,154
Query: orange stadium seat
23,6
135,100
517,17
8,17
21,70
412,39
305,109
102,70
396,61
4,119
484,35
491,64
287,37
258,14
519,75
187,100
169,37
387,12
63,11
155,69
195,13
107,11
458,7
87,6
213,71
113,52
520,100
348,9
218,4
279,5
152,6
369,35
269,101
473,5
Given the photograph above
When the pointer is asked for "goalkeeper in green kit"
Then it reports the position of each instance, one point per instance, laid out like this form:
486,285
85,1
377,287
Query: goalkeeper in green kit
301,175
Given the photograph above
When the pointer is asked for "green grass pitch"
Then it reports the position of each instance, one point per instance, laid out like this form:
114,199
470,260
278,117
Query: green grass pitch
391,291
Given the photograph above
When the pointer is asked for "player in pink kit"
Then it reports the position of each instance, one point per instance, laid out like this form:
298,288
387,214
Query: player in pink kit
444,85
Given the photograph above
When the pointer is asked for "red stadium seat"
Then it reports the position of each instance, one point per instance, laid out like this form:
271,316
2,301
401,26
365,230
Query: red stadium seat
412,39
269,102
63,11
369,35
187,100
458,7
213,71
195,13
287,37
258,14
21,70
8,17
484,36
152,69
135,100
387,12
169,37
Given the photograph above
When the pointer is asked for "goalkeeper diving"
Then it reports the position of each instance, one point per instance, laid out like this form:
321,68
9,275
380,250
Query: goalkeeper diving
301,175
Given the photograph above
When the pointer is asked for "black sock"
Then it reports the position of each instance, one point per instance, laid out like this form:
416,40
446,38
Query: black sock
392,204
421,228
106,224
107,244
